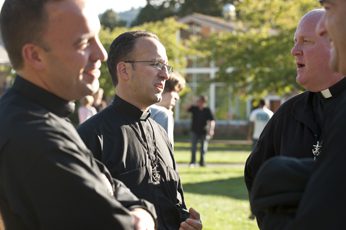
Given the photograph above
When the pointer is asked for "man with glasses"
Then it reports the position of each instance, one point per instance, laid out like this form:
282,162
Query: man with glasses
123,136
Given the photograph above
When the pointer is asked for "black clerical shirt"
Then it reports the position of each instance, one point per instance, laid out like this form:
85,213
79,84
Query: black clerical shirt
323,198
48,178
131,144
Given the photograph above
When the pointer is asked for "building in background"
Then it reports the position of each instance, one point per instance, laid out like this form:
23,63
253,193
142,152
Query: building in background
231,112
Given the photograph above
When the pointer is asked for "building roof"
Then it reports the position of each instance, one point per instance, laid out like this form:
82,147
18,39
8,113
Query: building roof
216,23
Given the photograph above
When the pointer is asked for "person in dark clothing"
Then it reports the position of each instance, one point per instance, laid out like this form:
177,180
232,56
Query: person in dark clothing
132,145
295,129
278,189
322,202
202,128
48,178
319,202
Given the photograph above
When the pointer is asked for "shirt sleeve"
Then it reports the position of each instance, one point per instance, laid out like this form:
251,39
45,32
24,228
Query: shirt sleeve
252,116
211,116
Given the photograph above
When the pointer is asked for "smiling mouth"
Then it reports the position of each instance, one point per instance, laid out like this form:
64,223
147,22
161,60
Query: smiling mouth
300,65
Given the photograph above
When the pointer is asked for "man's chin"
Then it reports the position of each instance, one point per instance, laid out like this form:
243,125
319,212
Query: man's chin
300,79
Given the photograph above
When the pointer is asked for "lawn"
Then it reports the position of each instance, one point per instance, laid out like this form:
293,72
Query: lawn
217,191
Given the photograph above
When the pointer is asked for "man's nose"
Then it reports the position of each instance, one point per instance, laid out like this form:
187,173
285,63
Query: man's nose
296,50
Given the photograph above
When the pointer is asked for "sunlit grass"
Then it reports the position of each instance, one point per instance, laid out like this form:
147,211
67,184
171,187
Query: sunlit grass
217,153
217,191
219,194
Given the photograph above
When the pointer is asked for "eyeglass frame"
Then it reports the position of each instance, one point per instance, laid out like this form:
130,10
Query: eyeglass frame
156,64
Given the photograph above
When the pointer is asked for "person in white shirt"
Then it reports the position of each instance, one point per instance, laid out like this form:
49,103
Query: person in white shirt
162,112
86,109
258,120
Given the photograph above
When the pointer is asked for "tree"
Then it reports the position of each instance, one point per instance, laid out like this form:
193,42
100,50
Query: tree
208,7
109,19
147,14
255,60
156,10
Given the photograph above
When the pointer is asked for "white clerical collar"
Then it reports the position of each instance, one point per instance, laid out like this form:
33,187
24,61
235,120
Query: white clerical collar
326,93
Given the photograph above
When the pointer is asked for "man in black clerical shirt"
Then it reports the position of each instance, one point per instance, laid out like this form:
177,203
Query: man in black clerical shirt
295,129
48,178
133,146
314,187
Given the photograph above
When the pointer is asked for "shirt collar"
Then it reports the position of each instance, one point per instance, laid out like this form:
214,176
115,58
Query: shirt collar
334,90
46,99
129,109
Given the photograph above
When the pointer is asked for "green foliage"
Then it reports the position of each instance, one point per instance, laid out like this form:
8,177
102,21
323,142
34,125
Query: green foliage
156,10
274,14
147,14
208,7
6,71
255,59
109,19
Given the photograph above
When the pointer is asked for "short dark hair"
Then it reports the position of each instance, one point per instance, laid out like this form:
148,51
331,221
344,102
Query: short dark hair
121,48
203,98
262,102
175,82
21,22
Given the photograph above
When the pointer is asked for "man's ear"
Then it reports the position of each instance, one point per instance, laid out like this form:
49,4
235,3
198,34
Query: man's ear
123,71
32,55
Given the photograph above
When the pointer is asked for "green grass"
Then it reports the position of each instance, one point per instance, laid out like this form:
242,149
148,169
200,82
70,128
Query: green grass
217,153
217,191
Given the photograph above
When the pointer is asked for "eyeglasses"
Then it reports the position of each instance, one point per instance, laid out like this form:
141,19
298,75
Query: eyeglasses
156,64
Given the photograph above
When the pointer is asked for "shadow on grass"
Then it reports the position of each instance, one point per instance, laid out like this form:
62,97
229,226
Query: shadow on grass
233,187
219,146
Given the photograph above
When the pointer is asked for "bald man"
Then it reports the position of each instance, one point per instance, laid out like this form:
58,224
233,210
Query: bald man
313,187
295,129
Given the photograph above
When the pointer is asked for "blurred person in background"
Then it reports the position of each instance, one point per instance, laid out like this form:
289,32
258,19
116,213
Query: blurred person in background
162,112
86,108
259,117
202,129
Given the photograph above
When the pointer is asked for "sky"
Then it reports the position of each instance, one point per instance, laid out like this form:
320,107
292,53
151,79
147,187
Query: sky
116,5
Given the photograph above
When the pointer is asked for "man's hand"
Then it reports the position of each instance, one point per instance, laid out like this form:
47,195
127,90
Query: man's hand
142,219
193,222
